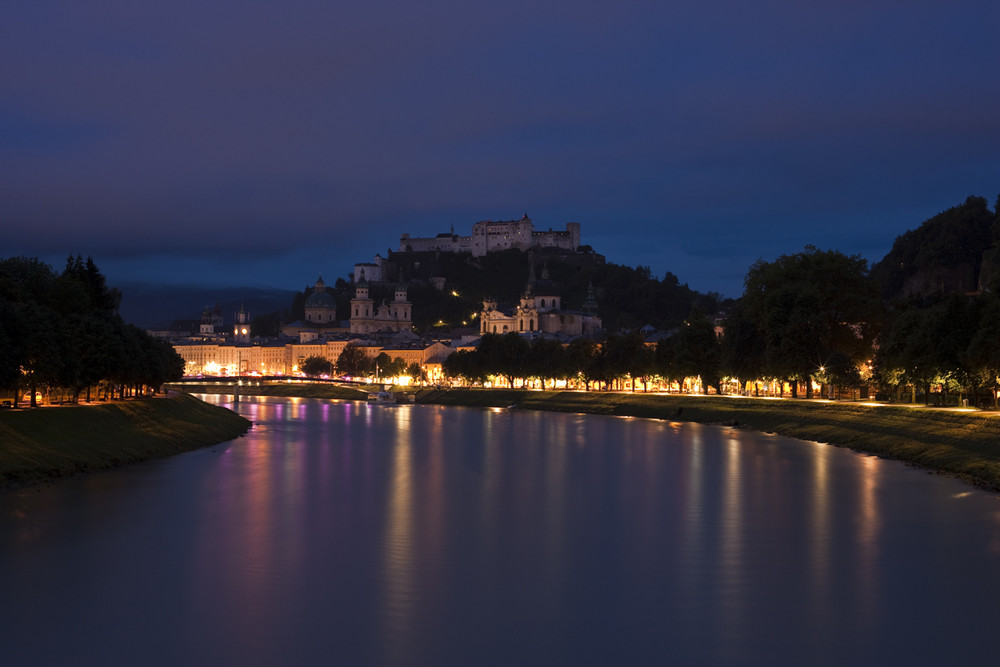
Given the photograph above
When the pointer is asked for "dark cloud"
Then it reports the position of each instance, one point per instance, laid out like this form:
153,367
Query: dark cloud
259,139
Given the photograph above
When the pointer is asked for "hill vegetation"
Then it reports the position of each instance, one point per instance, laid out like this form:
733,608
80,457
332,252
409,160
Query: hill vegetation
921,323
627,297
956,251
912,328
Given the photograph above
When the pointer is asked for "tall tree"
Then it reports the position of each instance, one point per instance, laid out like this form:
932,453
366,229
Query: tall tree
811,308
983,353
10,341
544,360
504,355
415,372
578,360
742,348
465,364
697,350
315,365
40,358
355,362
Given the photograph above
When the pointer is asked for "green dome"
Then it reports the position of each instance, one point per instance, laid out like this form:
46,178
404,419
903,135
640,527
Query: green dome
320,300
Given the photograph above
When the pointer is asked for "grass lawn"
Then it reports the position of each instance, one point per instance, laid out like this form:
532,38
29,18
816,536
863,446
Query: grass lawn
45,443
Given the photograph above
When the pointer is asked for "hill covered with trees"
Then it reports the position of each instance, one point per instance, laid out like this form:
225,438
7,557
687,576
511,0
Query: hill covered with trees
922,323
956,251
447,289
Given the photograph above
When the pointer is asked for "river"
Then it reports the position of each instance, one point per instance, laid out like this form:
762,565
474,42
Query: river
349,534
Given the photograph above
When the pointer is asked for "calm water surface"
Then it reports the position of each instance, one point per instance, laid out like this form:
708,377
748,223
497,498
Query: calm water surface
342,533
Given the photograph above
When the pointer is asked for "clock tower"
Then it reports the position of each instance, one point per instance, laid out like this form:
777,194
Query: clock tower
241,330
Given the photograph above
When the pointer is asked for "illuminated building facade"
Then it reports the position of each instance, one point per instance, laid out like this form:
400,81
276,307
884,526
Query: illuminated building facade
284,358
366,318
496,235
540,312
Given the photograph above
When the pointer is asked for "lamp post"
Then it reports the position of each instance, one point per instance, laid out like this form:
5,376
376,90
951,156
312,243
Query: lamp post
239,370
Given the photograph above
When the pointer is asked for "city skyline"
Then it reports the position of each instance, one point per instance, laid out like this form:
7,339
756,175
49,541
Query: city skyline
224,144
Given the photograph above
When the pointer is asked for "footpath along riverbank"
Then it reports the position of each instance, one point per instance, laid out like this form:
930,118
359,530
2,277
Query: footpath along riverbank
47,443
962,443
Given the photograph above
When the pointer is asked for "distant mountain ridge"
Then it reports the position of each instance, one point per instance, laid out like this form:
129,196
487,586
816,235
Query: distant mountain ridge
152,306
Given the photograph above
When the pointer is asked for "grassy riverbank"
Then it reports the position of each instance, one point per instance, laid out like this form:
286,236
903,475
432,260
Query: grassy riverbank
46,443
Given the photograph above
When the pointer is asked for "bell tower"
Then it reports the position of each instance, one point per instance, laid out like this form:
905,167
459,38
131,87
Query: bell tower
241,330
362,308
399,310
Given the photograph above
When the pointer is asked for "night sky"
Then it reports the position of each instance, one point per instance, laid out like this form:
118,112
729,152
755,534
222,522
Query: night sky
261,142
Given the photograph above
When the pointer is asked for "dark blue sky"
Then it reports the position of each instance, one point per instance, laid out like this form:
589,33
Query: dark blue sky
261,143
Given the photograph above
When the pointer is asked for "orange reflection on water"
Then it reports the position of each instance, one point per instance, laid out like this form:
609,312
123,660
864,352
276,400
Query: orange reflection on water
731,568
869,528
692,534
818,521
251,563
399,551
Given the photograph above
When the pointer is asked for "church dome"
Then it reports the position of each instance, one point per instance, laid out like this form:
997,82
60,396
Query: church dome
320,300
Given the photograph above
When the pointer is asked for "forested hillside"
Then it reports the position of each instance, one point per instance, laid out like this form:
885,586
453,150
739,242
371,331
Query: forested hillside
953,252
627,298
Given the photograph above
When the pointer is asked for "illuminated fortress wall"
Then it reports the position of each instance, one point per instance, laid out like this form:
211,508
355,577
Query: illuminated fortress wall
492,236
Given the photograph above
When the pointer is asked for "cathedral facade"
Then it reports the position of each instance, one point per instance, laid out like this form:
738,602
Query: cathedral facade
320,316
366,318
540,311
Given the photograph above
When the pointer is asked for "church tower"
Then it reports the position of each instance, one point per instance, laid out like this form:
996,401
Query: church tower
241,330
206,328
399,310
362,307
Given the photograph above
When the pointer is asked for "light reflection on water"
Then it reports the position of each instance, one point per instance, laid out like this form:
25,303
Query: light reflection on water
357,534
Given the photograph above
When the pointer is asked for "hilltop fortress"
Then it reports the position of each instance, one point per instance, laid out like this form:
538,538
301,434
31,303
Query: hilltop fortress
492,236
388,326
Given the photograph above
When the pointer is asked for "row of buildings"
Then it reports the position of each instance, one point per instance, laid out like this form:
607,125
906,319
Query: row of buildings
375,329
388,326
284,357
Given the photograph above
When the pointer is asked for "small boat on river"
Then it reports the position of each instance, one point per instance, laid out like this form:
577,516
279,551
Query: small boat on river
382,397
